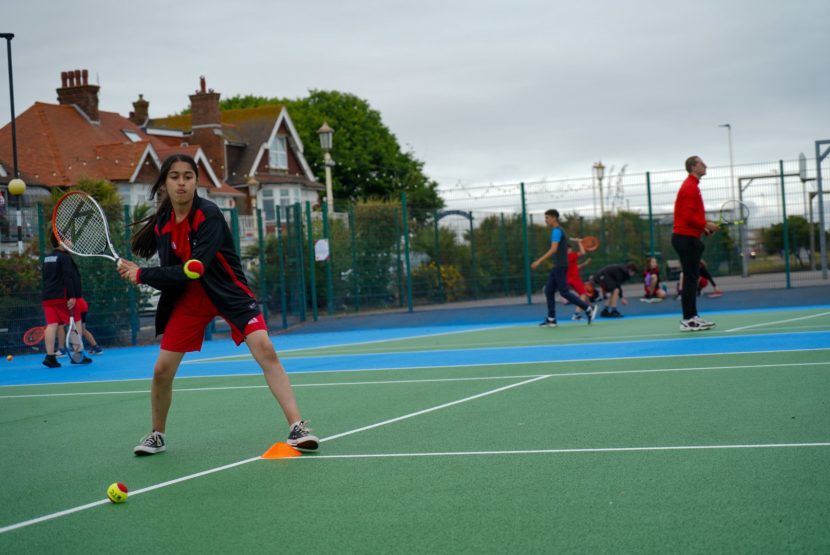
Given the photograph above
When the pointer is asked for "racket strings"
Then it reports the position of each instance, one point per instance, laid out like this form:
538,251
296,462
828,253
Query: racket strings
81,226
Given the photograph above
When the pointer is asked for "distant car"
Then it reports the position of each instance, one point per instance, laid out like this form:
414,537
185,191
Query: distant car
148,300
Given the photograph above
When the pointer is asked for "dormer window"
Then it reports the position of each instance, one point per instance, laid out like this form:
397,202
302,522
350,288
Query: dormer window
132,135
278,153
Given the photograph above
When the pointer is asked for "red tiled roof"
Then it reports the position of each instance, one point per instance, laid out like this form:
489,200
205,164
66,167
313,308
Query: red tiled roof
58,145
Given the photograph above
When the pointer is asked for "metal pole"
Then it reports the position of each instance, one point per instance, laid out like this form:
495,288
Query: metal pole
281,262
786,227
263,286
312,261
742,237
731,163
650,216
528,285
329,284
329,195
405,216
820,191
9,37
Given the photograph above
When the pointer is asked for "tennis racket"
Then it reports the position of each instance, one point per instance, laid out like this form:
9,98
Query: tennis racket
80,225
74,341
733,212
590,243
33,336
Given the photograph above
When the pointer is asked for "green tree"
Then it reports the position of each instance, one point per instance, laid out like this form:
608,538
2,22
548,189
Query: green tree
370,163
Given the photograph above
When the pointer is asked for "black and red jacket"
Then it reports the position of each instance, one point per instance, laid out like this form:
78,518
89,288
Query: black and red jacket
60,277
212,244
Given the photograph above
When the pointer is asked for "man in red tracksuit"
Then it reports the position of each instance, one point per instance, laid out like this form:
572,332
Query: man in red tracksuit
689,223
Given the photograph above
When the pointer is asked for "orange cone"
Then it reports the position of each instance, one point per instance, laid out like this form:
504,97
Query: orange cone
281,450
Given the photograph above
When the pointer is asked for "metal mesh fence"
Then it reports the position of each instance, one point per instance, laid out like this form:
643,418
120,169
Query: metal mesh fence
394,255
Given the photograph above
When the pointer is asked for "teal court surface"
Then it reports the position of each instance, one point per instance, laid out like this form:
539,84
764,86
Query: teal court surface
623,436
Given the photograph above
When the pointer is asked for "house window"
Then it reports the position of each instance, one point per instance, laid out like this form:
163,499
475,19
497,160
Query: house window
268,205
278,153
132,135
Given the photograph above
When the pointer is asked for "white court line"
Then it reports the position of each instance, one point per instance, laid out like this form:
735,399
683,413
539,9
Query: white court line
431,380
433,367
564,451
779,322
246,461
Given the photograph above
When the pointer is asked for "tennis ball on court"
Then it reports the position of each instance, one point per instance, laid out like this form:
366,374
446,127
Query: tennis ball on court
194,269
9,358
117,492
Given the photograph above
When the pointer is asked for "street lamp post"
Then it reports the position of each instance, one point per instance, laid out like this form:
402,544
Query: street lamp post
16,186
326,133
599,173
731,160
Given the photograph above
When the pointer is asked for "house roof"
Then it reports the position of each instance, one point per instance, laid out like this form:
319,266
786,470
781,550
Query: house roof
207,178
58,145
250,128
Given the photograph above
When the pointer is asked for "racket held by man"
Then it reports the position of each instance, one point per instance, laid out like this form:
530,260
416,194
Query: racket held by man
733,212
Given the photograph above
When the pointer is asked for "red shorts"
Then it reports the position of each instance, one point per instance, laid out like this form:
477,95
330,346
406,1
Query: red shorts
80,310
56,312
185,331
578,286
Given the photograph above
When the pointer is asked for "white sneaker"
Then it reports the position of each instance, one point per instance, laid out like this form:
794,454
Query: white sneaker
705,324
690,325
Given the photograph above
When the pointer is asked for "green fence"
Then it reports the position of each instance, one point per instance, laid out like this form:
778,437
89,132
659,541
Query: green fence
394,255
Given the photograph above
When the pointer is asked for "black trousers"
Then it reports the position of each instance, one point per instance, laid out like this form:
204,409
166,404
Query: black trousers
689,250
558,281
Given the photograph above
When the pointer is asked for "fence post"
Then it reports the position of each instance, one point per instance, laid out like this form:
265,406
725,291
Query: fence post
41,236
329,284
398,263
650,216
131,291
312,261
263,286
298,233
355,282
473,257
786,227
437,234
525,246
405,215
504,265
281,262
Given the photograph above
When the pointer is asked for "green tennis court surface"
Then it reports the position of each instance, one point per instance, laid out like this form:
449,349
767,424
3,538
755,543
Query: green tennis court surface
694,453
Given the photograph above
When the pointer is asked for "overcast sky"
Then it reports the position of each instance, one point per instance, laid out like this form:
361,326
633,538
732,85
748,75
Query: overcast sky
482,91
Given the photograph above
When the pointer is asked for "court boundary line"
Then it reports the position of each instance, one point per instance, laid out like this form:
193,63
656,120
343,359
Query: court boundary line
778,322
153,487
623,340
655,448
520,363
429,380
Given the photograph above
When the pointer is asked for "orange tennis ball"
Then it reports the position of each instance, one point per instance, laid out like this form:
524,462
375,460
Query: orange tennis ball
9,358
194,269
117,492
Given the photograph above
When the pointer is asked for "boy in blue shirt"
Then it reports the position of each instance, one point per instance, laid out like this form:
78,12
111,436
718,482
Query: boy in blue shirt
558,276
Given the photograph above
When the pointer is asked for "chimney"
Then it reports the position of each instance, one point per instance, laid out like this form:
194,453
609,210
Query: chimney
207,127
141,112
76,90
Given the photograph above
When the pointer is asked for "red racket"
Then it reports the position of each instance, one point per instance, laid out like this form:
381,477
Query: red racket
590,243
34,336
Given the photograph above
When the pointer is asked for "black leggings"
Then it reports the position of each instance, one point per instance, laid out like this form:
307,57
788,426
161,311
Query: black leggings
690,251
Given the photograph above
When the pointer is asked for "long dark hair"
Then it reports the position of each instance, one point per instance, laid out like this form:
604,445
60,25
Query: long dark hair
143,242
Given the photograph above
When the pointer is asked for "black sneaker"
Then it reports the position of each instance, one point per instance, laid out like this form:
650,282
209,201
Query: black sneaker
150,444
51,361
606,313
591,313
79,358
615,313
301,437
96,350
548,323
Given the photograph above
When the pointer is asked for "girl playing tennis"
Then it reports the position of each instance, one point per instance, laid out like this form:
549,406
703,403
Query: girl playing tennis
186,229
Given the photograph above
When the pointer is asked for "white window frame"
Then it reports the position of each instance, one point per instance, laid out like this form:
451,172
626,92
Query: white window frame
278,153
